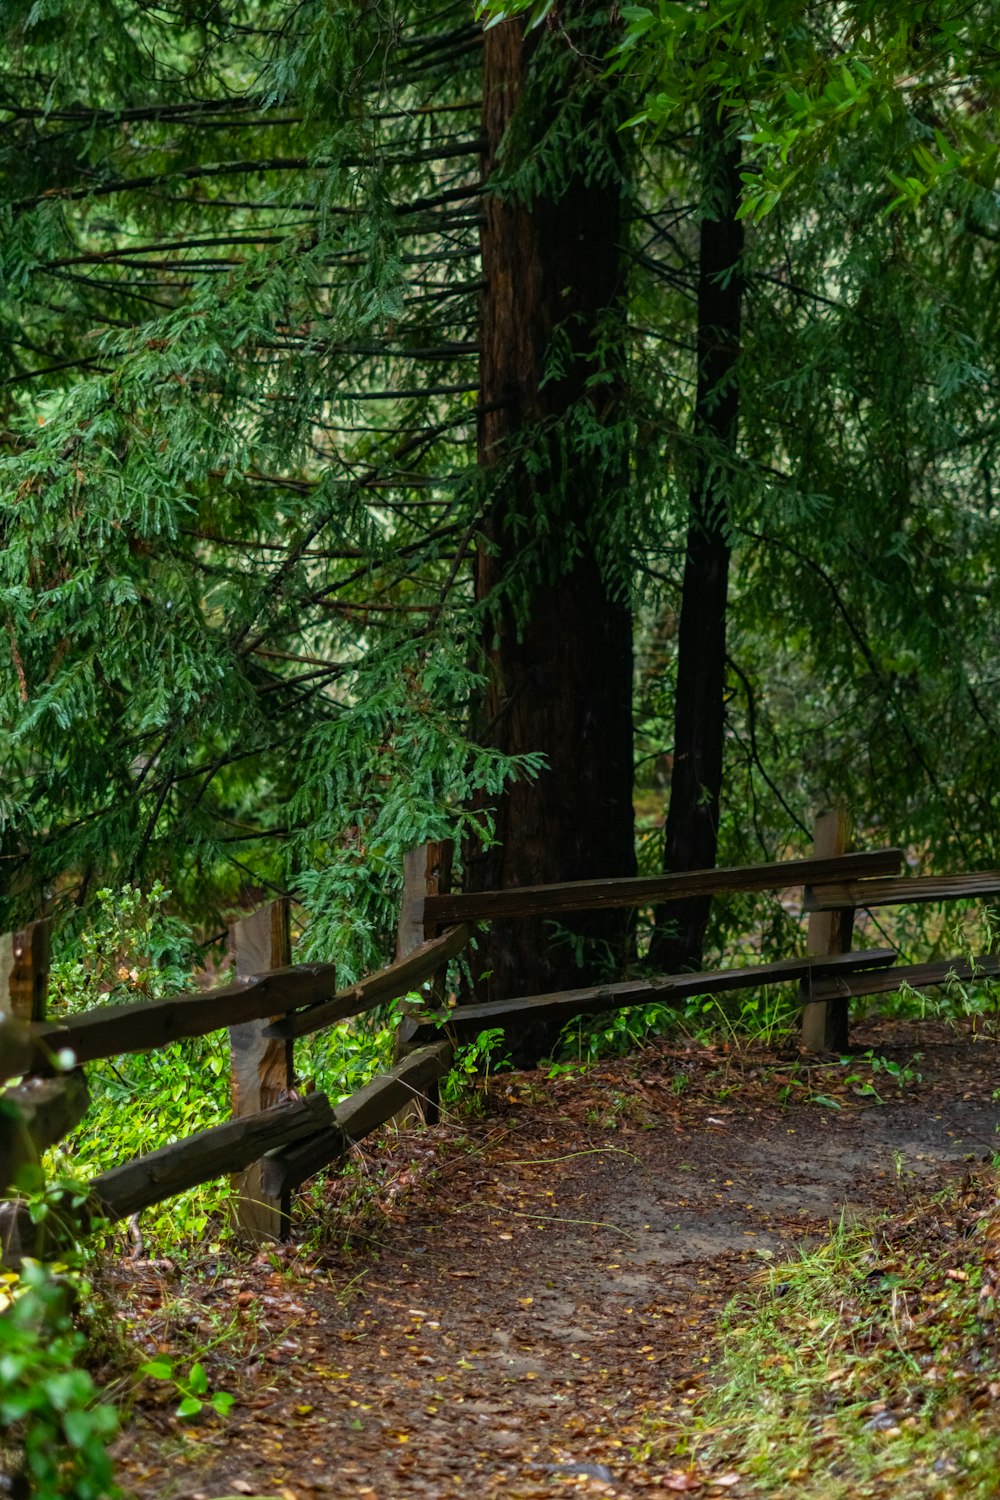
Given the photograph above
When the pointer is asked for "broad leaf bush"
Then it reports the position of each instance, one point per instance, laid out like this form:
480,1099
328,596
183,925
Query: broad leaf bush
52,1418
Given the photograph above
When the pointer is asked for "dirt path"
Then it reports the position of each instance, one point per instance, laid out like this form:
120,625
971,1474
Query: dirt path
540,1315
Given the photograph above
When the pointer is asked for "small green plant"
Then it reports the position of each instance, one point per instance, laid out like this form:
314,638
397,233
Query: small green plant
901,1074
342,1059
192,1388
976,998
474,1063
588,1038
762,1017
49,1408
569,1069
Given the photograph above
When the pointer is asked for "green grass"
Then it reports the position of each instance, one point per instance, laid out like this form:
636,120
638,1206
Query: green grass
871,1366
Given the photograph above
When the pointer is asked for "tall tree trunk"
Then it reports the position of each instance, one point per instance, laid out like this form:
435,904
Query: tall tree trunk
557,633
696,783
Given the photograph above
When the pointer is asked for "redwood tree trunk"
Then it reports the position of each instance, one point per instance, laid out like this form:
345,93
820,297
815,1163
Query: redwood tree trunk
557,634
696,782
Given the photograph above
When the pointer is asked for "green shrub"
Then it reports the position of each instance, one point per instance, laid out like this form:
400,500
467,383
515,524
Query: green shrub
51,1414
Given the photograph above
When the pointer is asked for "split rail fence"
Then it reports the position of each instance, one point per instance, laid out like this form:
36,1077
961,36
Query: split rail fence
276,1140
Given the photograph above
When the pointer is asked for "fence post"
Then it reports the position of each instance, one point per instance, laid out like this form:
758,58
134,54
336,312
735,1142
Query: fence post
826,1024
426,872
24,978
24,971
262,1069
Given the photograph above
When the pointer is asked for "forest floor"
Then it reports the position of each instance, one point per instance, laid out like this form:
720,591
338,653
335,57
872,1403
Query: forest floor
524,1303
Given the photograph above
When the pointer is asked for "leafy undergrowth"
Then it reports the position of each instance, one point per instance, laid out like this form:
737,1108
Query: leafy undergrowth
871,1366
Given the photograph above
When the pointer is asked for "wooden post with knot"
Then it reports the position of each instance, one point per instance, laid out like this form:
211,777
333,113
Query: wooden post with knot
24,979
262,1068
426,872
826,1023
24,971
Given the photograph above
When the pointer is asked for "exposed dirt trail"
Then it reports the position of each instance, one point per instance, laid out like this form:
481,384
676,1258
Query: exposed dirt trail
540,1315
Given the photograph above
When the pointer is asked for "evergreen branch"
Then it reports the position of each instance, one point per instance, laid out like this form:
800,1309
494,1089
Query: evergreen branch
66,364
349,608
137,113
421,393
798,291
126,252
262,833
458,194
309,661
441,152
133,184
148,832
420,111
433,43
329,673
376,351
754,751
886,681
683,281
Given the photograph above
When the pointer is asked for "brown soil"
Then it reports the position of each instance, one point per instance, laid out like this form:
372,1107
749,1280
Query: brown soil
528,1301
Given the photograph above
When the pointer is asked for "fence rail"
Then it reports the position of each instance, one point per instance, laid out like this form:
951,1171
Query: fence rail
642,890
277,1140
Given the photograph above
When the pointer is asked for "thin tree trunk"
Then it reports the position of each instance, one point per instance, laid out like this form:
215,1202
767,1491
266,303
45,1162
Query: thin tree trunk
557,637
696,782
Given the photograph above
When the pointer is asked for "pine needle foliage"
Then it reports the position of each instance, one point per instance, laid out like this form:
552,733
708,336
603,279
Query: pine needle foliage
238,487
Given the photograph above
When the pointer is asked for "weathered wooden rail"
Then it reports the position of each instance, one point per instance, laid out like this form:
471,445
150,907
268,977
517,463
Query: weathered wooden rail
280,1144
276,1139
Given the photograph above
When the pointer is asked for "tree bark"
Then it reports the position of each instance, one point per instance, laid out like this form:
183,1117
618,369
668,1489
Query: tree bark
692,827
557,631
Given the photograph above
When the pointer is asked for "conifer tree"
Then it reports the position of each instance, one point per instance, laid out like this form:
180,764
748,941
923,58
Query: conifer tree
553,567
240,493
243,493
858,658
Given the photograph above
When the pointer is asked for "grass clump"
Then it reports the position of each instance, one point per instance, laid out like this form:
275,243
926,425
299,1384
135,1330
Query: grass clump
870,1367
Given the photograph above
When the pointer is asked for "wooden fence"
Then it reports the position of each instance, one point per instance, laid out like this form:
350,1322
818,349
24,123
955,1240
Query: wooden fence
276,1139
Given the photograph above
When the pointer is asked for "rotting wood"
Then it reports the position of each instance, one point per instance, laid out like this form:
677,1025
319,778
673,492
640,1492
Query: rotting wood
24,971
826,1028
262,1067
901,891
149,1024
589,895
918,976
388,984
20,1050
199,1158
670,989
358,1116
36,1114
